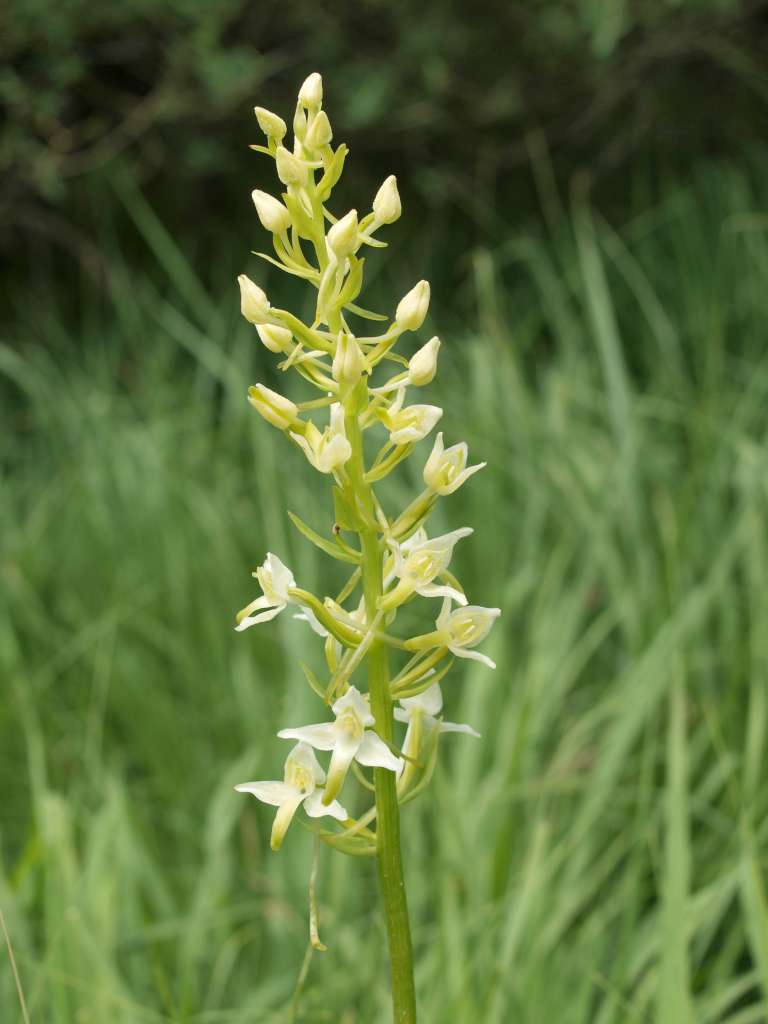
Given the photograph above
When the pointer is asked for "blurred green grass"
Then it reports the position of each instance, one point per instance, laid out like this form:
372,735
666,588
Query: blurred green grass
600,856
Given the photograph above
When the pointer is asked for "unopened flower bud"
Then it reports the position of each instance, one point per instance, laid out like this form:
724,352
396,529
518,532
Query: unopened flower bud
281,412
254,304
423,365
290,170
300,124
412,308
342,238
386,205
276,339
311,92
272,214
348,363
319,133
274,127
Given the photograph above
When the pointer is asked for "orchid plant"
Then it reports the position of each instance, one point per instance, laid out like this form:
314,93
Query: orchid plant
390,557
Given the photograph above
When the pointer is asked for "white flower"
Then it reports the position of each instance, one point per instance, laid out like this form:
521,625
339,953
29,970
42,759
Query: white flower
422,366
303,778
412,308
275,580
342,237
254,304
445,470
273,215
329,450
276,409
423,710
410,424
274,127
418,562
386,205
349,737
465,628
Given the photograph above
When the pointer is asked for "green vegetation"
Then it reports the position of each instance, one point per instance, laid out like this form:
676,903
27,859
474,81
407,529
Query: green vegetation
601,857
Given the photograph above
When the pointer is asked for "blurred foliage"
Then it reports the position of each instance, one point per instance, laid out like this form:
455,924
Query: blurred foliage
444,96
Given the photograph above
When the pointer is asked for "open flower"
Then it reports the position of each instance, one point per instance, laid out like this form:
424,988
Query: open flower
460,631
418,561
410,424
276,580
446,468
303,778
349,737
420,713
330,449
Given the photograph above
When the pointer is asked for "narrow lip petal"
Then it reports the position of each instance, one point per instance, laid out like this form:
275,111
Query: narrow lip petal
374,753
252,620
458,727
464,652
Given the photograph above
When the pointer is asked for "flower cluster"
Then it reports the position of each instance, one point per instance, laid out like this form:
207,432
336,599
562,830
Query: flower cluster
391,558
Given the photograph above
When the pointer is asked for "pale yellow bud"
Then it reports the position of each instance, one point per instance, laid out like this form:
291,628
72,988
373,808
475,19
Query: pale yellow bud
299,124
254,304
320,133
348,363
290,170
423,364
311,92
413,307
276,339
386,205
342,238
281,412
274,127
272,214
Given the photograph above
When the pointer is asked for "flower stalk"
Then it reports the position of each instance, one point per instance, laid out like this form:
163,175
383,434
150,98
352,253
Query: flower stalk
391,559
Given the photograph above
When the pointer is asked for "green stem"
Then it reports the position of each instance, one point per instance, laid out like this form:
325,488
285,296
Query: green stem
389,857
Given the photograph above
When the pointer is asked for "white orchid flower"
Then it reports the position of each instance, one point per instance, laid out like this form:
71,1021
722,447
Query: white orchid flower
303,778
329,450
465,628
349,737
422,711
418,561
460,631
410,424
446,468
275,580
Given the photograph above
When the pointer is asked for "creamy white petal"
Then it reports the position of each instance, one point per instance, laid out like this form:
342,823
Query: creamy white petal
322,736
430,701
437,590
374,753
354,701
252,620
315,807
463,652
309,616
283,819
274,793
456,727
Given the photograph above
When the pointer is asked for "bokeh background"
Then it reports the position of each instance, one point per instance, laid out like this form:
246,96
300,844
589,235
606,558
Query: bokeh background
586,186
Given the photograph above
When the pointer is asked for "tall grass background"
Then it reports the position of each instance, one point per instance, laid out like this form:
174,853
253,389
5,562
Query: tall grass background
599,857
